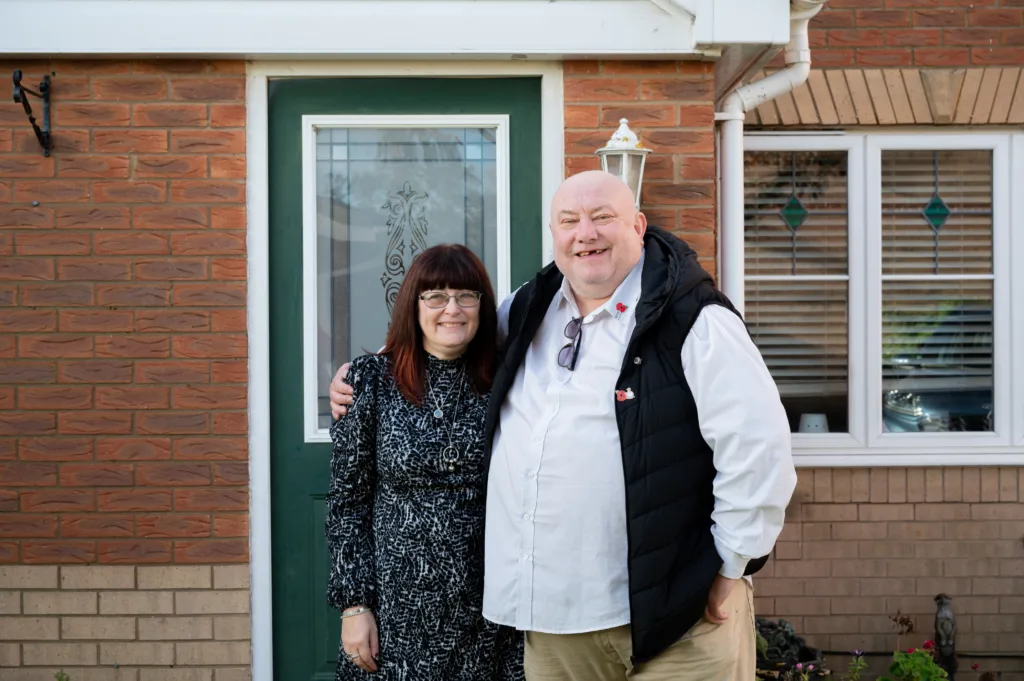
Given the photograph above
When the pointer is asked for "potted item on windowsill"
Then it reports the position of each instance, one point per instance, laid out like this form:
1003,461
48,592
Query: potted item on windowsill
813,423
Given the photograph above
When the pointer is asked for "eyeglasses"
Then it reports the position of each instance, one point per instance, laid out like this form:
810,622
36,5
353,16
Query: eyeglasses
438,299
571,351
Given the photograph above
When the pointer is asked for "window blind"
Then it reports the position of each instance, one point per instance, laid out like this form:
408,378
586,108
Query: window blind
796,244
937,290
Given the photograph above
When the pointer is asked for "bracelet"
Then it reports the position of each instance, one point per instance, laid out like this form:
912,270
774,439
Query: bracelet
355,611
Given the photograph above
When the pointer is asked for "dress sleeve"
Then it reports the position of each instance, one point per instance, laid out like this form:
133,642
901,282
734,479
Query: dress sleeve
349,524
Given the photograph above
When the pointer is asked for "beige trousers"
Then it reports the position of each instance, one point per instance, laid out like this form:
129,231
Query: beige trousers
708,652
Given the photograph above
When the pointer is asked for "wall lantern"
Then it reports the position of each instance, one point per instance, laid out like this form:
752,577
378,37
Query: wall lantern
625,157
21,97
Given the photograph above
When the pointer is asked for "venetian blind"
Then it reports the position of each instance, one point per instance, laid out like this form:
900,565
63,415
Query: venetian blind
796,244
937,278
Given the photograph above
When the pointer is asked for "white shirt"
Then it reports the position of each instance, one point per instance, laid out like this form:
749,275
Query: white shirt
555,540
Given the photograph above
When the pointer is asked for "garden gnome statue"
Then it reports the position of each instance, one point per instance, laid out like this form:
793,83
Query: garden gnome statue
945,635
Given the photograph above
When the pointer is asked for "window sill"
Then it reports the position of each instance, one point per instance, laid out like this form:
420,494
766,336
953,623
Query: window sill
957,454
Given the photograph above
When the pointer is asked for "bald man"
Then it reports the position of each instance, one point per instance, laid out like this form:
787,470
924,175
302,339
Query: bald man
640,460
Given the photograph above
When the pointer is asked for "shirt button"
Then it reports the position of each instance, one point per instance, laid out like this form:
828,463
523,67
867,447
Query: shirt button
533,475
526,516
637,360
526,556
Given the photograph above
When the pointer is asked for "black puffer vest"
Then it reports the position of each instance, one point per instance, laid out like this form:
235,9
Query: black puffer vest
669,468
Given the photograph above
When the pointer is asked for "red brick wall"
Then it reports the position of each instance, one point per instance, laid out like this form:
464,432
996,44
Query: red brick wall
940,33
670,106
122,326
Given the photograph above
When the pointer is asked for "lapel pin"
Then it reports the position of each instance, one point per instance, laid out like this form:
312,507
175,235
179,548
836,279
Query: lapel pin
620,307
623,395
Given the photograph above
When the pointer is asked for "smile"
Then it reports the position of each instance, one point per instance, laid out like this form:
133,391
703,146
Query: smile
584,254
451,325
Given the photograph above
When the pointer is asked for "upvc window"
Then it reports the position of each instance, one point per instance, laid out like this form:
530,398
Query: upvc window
878,287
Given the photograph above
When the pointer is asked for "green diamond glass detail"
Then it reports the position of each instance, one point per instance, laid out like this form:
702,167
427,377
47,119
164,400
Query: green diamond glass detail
793,213
936,212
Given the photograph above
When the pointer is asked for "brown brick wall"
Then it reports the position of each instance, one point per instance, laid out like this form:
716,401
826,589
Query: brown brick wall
122,319
861,544
940,33
670,106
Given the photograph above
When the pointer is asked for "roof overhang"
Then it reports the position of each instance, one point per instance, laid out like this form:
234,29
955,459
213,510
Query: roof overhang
391,29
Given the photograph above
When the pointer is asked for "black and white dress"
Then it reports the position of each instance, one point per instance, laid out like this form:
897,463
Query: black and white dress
405,525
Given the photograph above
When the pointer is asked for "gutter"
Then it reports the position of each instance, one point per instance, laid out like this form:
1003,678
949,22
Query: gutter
732,114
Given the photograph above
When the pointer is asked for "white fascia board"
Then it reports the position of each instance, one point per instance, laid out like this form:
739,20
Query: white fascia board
267,29
737,22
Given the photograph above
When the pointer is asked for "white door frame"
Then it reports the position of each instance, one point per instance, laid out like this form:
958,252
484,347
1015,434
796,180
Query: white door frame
258,257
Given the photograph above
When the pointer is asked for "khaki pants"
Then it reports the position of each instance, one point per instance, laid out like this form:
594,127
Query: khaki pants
708,652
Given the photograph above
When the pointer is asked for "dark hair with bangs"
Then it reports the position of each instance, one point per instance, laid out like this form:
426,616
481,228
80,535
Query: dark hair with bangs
439,267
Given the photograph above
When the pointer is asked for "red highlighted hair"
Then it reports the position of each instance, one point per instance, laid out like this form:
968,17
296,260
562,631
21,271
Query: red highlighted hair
437,268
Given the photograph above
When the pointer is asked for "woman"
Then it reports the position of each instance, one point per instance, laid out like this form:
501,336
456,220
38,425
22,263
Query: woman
405,508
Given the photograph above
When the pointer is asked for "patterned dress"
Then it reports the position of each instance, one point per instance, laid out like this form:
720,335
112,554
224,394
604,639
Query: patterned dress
405,528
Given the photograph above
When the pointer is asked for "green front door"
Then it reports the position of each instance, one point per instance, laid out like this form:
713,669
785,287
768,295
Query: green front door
364,174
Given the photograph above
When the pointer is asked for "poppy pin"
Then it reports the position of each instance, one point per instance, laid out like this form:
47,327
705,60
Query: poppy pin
620,307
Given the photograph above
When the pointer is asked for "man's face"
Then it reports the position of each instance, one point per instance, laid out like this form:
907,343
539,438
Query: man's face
597,233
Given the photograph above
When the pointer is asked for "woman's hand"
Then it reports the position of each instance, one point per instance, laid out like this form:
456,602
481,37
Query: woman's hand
359,638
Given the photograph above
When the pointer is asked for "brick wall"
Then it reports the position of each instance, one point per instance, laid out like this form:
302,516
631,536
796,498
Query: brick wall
940,33
861,544
148,623
123,372
670,106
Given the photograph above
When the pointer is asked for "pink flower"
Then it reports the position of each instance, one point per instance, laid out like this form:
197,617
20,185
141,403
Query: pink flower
799,665
974,666
910,650
928,645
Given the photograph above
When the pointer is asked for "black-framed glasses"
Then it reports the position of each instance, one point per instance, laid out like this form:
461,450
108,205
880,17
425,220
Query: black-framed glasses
438,299
571,351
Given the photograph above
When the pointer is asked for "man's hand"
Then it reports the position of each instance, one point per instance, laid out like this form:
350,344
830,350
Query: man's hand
721,589
341,393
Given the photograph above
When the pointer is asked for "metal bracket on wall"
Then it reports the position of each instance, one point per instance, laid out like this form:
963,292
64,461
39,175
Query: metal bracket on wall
20,92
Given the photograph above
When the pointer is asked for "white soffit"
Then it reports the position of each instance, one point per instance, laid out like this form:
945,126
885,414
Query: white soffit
262,29
739,22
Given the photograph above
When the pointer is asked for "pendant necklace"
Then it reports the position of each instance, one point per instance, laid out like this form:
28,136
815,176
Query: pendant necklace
450,454
438,414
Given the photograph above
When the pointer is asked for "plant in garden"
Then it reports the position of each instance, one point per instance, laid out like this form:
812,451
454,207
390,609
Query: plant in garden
857,665
916,664
903,625
800,672
987,676
61,676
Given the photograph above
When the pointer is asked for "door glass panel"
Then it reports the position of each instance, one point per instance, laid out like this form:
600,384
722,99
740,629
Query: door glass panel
383,196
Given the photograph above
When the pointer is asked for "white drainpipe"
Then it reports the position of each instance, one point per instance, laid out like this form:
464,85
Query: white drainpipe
736,104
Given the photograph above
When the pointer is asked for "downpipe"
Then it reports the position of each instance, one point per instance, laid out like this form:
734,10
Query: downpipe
733,111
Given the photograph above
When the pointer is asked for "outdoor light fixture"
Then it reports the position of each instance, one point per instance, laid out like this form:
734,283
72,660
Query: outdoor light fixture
624,157
21,97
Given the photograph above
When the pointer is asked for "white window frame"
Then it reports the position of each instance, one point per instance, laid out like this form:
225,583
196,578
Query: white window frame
1017,283
865,444
310,124
856,437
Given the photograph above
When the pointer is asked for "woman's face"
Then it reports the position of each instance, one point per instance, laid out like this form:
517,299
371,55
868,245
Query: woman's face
448,329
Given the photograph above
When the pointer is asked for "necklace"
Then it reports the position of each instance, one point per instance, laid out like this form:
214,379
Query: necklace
438,413
450,454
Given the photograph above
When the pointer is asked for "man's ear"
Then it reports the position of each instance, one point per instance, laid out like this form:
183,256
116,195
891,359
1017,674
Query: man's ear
640,224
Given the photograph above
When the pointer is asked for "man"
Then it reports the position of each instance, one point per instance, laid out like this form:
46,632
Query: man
640,464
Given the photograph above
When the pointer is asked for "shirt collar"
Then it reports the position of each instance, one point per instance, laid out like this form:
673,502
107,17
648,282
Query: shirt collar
623,300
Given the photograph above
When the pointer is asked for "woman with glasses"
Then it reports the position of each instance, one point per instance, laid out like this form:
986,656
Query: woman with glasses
405,508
